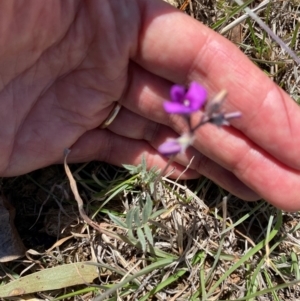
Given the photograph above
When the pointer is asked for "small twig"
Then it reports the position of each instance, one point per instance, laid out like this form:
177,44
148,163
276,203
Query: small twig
185,170
184,5
80,204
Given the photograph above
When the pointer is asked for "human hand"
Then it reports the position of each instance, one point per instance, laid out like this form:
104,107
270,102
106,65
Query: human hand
64,63
63,67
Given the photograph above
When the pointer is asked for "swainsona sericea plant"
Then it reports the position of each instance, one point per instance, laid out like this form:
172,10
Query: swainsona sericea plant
187,101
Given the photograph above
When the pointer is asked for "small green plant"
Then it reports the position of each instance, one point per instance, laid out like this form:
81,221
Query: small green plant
137,222
145,178
141,213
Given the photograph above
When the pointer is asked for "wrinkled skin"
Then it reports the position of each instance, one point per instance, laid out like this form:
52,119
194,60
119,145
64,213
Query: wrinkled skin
64,64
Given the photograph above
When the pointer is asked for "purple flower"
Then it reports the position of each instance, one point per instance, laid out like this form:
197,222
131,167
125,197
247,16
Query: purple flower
175,146
186,101
170,147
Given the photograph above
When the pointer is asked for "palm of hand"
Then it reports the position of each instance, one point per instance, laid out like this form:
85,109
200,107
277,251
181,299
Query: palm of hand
58,82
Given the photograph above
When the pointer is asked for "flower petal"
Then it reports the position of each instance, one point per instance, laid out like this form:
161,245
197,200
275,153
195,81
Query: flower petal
170,147
177,93
176,108
197,96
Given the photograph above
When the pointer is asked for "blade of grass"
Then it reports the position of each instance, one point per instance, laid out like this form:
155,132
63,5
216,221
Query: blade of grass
217,256
202,277
270,32
76,293
295,35
173,278
295,265
266,291
241,220
269,281
249,254
244,17
156,265
253,36
234,11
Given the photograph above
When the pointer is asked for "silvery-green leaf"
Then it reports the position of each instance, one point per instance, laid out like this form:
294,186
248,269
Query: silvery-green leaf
151,186
50,279
129,218
136,217
117,221
158,213
131,237
147,209
153,170
141,238
129,167
132,168
148,234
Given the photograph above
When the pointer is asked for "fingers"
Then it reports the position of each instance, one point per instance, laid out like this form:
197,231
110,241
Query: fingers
272,180
104,145
195,52
131,125
228,147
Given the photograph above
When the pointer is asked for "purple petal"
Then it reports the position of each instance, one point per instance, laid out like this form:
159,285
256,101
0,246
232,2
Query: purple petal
170,147
177,93
197,96
176,108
